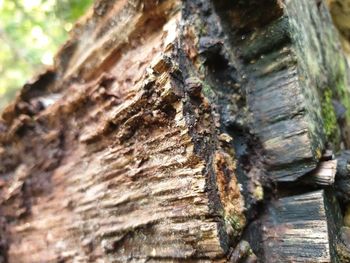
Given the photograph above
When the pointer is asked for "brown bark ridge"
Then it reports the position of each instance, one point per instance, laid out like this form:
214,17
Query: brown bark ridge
179,131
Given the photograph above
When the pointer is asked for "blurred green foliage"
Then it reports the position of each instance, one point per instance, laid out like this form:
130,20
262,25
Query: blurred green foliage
30,33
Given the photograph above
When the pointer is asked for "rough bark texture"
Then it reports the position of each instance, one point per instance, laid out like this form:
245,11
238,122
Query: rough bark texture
181,131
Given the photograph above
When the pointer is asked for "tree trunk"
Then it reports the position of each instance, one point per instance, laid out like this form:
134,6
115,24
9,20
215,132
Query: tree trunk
182,131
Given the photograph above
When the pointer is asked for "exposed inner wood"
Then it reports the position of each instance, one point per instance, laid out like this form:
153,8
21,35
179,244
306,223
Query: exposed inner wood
116,167
181,131
299,229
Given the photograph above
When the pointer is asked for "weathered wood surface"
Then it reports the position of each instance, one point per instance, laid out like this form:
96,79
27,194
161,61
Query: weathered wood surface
110,171
341,16
161,133
342,183
294,67
323,175
301,228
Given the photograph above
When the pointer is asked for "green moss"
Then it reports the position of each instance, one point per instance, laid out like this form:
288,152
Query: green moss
329,116
208,90
236,223
342,93
203,30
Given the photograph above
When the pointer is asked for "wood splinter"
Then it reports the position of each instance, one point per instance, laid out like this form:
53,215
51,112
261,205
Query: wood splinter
323,175
302,227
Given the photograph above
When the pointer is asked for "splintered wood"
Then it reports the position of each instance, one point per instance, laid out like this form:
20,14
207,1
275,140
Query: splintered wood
323,175
180,131
300,228
126,183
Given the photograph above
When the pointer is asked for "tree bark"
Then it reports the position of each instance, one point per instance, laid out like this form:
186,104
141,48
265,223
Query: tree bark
182,131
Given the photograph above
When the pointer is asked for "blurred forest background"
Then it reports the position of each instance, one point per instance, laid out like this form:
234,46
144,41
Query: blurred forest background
31,32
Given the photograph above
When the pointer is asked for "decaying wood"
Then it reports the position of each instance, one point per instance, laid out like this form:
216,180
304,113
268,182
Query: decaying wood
169,130
342,182
340,10
301,228
242,253
323,175
343,248
127,182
